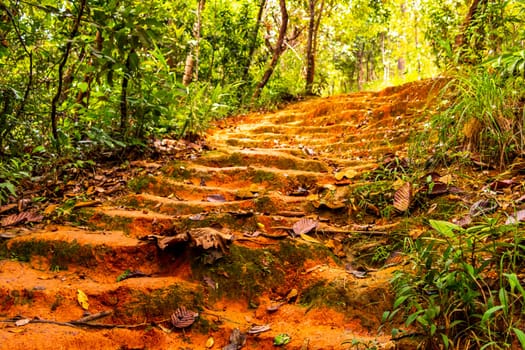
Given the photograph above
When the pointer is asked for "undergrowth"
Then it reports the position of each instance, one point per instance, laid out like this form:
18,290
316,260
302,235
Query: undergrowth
464,289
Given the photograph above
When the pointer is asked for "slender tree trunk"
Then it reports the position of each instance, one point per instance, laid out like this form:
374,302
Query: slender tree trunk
192,60
253,43
383,57
61,66
124,95
311,45
461,41
277,51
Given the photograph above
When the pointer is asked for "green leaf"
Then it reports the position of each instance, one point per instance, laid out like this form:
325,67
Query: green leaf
9,186
490,312
521,336
83,86
400,301
445,340
444,227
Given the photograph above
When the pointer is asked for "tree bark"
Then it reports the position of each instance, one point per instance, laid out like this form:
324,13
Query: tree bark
253,43
124,95
192,60
462,39
277,51
311,45
61,66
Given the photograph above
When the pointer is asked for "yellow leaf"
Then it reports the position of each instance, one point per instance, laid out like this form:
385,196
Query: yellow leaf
261,226
309,238
82,299
349,173
209,343
50,209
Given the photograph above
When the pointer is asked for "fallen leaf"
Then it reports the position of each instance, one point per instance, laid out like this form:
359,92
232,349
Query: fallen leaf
216,198
273,307
183,318
292,295
304,225
22,322
259,329
50,209
209,343
207,237
349,173
483,207
17,330
82,299
21,218
501,184
357,272
403,197
308,238
7,207
86,204
518,217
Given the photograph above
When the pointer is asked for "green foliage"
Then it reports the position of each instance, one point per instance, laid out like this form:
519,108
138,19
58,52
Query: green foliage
510,64
484,115
12,172
463,291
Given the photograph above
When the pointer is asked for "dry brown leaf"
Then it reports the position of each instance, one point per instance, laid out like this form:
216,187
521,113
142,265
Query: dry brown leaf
183,318
403,197
518,217
304,225
86,204
7,207
216,198
14,219
22,322
207,237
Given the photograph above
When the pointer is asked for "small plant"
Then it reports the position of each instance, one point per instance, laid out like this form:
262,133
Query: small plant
463,291
123,275
361,344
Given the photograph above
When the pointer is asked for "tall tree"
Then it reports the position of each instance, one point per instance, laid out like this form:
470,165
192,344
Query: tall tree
253,43
192,59
277,50
61,65
311,44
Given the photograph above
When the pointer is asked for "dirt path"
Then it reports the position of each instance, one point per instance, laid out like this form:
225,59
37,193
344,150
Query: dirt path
232,253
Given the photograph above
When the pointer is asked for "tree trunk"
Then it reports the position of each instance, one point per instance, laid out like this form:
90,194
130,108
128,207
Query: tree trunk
61,66
311,45
461,41
124,96
277,51
192,60
253,43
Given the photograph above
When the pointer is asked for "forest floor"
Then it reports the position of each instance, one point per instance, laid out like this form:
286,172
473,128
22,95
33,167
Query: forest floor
276,225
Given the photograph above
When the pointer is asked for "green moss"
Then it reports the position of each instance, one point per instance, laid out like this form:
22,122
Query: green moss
323,293
259,176
138,184
246,273
16,297
161,303
264,204
60,253
109,222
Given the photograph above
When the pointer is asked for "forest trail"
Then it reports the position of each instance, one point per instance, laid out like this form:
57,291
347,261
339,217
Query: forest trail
271,222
